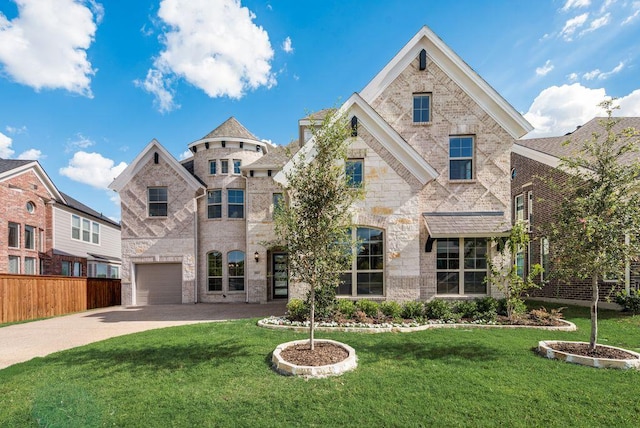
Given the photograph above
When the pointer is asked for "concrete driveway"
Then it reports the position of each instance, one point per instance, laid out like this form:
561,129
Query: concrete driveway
22,342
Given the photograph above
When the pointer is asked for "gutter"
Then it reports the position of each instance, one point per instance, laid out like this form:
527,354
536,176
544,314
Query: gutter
195,245
246,237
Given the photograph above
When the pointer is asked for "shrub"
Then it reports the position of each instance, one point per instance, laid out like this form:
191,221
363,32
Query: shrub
369,307
325,299
546,317
346,307
487,309
391,309
438,309
630,303
297,310
413,310
466,309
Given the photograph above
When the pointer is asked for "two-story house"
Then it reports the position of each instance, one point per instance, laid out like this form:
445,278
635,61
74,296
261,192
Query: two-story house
46,232
432,148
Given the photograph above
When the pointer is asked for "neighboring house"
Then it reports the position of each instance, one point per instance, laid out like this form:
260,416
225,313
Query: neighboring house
46,232
535,201
432,145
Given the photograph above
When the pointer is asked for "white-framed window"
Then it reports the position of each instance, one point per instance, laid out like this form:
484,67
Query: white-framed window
213,167
237,163
530,209
30,266
544,258
461,266
14,235
354,171
77,269
158,200
224,166
518,204
366,277
235,203
114,272
235,261
421,108
65,268
83,229
29,238
214,203
14,264
520,263
214,271
461,157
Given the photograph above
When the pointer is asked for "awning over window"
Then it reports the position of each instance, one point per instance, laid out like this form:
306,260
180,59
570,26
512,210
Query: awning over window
468,224
100,257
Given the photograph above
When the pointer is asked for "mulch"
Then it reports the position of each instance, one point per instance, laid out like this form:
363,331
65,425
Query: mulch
323,354
584,350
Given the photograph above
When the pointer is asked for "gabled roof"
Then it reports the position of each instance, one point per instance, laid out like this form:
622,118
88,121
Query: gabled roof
231,128
79,206
458,70
550,150
275,159
384,133
468,224
13,167
145,156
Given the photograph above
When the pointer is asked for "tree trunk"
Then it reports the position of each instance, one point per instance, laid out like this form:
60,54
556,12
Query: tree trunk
312,318
594,313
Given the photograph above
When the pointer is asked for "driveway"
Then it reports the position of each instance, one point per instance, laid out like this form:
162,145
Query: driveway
22,342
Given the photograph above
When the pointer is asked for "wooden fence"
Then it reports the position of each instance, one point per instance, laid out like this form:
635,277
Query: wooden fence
26,297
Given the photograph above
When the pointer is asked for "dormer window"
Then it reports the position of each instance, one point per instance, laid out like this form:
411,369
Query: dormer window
421,108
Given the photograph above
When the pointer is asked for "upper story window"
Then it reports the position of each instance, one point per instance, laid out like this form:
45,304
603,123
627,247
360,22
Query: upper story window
30,237
278,202
461,158
354,170
235,203
213,167
85,230
158,201
14,235
519,207
530,209
224,166
237,163
31,207
421,108
214,204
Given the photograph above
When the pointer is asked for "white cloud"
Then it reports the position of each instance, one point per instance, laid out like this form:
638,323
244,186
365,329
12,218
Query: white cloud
80,142
185,155
92,169
571,4
286,45
31,154
560,109
590,75
14,130
45,46
160,87
5,146
572,25
572,77
545,69
635,5
600,75
215,46
597,23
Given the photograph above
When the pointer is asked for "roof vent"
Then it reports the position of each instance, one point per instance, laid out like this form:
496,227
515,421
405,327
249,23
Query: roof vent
224,144
423,59
354,126
241,144
156,158
206,145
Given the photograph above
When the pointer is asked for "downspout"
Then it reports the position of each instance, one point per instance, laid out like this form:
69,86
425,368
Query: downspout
195,246
246,237
627,269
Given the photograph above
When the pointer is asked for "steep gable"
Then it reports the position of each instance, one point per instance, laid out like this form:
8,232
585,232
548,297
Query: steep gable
231,128
457,70
10,168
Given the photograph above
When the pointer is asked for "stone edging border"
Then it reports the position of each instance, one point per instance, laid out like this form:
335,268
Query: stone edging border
569,326
286,368
545,348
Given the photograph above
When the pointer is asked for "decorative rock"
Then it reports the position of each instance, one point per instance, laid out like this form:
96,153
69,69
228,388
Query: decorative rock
336,369
545,348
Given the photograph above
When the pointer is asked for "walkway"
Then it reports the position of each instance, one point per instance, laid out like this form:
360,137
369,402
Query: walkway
22,342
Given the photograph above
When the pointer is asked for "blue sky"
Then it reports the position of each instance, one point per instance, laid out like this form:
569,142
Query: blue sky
86,84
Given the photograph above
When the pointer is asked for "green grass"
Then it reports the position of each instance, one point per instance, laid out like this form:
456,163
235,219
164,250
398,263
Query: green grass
219,374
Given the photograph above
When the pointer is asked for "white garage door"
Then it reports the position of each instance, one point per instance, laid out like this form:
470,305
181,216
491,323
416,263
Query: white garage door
158,284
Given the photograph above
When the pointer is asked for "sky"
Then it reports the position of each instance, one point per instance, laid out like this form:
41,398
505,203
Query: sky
85,85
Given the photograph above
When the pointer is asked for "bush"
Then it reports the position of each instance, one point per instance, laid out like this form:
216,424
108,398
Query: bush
368,307
413,310
438,309
466,309
325,298
391,309
297,310
346,307
487,309
630,303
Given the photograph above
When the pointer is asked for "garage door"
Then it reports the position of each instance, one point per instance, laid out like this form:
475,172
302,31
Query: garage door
158,284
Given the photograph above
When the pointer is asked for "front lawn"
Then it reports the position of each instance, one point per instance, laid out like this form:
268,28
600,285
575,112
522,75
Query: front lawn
219,374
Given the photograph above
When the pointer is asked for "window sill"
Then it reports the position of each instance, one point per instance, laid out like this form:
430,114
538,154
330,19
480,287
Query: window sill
472,181
423,123
460,296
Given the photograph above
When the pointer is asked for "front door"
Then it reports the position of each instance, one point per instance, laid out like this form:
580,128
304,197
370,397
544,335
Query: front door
280,275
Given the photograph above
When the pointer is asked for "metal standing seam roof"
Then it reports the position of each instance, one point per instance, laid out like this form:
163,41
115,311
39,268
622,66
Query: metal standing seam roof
468,224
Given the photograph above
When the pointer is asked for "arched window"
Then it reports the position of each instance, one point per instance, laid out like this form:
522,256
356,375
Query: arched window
366,276
235,260
214,271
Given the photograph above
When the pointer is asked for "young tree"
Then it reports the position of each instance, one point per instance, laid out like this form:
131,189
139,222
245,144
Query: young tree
315,225
596,231
505,273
